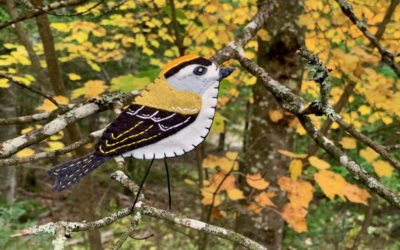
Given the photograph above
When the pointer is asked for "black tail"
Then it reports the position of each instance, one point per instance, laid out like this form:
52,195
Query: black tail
70,173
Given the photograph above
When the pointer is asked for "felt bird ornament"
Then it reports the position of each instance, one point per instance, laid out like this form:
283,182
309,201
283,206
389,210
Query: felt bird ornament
171,117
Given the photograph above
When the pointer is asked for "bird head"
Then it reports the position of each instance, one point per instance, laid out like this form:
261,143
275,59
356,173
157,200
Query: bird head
194,73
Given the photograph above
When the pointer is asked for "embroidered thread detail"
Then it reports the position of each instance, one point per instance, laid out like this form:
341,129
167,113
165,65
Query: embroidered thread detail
112,135
110,145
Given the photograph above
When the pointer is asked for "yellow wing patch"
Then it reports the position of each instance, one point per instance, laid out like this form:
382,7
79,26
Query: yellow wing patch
162,96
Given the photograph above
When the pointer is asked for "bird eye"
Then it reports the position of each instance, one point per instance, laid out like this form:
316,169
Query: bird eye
200,70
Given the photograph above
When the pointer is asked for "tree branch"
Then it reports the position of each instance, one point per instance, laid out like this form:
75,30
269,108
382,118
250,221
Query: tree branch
38,12
12,146
321,77
382,150
386,19
14,161
358,172
143,209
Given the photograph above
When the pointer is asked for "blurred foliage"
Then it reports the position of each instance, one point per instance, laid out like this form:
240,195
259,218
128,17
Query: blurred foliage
126,49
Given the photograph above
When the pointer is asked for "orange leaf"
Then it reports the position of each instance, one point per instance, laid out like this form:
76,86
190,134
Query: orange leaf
383,168
48,106
263,199
210,162
208,193
331,184
295,169
235,194
295,216
318,163
254,208
291,154
218,214
229,182
356,194
275,115
256,181
299,192
224,163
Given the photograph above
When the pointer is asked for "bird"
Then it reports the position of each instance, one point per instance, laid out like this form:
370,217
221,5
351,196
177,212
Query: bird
171,117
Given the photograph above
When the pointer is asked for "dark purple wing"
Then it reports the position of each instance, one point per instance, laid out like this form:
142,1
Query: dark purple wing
139,126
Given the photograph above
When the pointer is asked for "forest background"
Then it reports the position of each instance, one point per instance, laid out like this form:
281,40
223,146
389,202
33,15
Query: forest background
303,152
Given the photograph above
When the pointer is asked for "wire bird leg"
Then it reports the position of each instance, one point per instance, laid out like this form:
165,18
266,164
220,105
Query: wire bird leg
169,187
141,185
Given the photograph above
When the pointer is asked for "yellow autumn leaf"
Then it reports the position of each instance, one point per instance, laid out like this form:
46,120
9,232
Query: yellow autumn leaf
263,34
256,181
92,89
54,145
4,83
25,152
74,77
208,193
190,182
295,216
295,169
331,184
218,124
275,115
235,194
356,194
254,208
210,162
318,163
48,106
299,192
222,181
26,130
291,154
348,143
264,199
232,155
211,8
63,27
383,168
369,154
364,110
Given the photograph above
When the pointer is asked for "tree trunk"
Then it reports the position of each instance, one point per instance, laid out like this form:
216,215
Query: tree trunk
23,36
8,109
278,56
85,190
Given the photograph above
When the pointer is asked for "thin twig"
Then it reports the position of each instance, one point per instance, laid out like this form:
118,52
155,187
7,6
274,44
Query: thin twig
37,12
49,154
67,15
370,143
36,91
111,9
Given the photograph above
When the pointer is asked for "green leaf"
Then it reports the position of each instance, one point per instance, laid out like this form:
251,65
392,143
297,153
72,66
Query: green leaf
179,14
129,83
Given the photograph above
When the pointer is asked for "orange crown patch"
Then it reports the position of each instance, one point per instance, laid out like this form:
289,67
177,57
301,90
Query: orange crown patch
178,61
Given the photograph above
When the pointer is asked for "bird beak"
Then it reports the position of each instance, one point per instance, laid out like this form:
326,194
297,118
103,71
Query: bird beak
225,72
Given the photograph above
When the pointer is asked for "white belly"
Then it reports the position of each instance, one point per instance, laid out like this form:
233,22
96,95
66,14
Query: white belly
188,138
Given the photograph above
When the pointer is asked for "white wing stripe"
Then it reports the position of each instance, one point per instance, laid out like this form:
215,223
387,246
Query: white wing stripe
135,112
165,128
